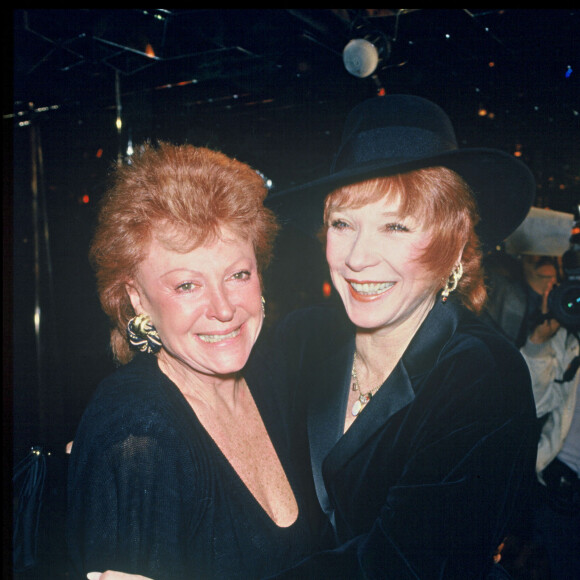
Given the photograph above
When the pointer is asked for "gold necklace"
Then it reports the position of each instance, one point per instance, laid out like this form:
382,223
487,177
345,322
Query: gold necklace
363,398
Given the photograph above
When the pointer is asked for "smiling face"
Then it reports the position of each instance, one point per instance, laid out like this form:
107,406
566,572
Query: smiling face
373,253
205,303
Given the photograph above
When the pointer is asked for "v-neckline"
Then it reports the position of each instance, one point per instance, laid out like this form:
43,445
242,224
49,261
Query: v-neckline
229,465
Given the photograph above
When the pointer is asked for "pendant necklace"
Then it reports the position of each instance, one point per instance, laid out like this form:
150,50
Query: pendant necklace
363,398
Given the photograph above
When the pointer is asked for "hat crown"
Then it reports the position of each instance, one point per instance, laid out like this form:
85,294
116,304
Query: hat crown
394,129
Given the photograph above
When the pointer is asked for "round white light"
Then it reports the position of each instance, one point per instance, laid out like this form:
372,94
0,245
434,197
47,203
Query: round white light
360,57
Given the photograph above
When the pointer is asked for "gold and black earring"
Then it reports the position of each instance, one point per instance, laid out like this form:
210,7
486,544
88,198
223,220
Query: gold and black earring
142,335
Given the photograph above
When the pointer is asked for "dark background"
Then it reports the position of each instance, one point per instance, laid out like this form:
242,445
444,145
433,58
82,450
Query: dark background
266,86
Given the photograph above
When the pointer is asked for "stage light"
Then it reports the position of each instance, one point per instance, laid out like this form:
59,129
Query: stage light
361,56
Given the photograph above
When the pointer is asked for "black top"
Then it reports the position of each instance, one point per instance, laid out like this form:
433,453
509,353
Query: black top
150,492
424,483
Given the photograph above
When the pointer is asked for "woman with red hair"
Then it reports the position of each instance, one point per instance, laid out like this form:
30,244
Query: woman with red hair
420,415
180,465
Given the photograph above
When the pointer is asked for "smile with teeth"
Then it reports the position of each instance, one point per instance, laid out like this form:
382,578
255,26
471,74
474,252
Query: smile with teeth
370,288
218,337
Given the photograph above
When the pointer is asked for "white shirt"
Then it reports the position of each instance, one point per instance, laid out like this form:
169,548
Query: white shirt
547,363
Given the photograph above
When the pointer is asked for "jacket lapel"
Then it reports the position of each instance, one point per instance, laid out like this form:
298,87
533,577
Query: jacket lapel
326,407
330,385
396,393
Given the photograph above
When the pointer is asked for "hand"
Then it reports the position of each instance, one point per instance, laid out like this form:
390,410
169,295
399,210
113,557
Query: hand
113,575
548,328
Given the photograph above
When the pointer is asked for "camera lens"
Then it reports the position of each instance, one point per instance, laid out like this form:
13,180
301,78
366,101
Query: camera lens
564,303
571,301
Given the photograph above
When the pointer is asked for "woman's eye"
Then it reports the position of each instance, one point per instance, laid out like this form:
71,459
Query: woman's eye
338,224
396,227
186,287
241,275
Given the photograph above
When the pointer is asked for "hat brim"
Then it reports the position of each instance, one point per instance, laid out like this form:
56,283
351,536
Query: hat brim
503,187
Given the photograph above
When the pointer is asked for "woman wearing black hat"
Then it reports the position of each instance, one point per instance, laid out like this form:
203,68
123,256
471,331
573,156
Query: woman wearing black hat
419,417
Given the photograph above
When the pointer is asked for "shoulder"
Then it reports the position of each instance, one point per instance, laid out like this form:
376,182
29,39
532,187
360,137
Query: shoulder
474,377
486,355
137,428
476,332
132,400
138,380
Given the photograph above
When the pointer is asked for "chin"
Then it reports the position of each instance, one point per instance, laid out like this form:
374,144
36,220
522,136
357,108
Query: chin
364,320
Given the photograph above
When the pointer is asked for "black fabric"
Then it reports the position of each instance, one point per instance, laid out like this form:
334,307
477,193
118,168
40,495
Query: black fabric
150,493
562,492
423,483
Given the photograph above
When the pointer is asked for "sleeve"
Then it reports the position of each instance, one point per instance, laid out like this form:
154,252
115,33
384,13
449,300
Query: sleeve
466,461
131,493
545,364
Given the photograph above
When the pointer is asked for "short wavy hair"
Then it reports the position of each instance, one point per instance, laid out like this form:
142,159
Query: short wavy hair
442,202
184,193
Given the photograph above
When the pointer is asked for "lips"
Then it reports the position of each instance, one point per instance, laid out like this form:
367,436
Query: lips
365,291
213,338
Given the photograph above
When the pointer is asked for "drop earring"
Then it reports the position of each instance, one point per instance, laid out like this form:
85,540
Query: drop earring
452,282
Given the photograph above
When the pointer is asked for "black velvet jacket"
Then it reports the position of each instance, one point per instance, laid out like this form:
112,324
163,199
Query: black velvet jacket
423,483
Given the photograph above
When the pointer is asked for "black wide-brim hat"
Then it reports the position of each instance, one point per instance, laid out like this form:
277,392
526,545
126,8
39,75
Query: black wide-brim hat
400,133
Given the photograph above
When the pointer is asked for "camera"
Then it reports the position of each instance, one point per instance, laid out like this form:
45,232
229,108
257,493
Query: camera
564,299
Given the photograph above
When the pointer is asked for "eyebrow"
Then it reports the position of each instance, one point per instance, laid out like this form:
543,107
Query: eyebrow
344,208
235,264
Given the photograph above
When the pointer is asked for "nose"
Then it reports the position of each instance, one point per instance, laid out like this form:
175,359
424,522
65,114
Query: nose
219,305
361,253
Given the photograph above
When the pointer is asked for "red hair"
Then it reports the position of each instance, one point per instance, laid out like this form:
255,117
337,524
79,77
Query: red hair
440,200
184,195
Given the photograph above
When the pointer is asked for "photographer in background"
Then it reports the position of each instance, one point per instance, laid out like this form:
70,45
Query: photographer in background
552,354
542,317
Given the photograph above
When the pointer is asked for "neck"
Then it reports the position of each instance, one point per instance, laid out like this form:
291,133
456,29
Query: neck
209,390
380,349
